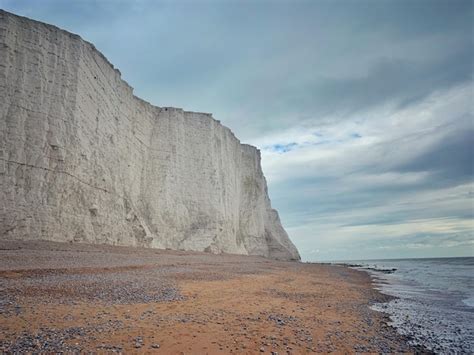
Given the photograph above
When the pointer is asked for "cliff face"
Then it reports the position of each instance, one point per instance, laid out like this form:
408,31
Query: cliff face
84,160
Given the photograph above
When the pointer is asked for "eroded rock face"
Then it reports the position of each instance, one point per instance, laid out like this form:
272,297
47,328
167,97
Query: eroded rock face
84,160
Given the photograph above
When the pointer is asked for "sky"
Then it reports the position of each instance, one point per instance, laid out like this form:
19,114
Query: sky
363,110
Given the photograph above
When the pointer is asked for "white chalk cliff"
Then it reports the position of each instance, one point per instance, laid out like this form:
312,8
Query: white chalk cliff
84,160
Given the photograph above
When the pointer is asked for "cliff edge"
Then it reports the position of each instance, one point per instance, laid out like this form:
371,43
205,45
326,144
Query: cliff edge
84,160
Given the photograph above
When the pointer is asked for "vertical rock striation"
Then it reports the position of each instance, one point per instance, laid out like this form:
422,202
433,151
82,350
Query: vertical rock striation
84,160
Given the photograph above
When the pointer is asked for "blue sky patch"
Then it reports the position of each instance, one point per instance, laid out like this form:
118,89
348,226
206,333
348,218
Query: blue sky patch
283,148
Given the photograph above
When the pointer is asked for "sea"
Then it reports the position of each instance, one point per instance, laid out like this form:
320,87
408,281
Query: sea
434,304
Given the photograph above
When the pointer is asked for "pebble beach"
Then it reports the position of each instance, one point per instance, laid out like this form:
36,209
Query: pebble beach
61,297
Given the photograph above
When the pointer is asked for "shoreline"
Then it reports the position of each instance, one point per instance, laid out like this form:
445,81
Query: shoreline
59,296
384,299
428,305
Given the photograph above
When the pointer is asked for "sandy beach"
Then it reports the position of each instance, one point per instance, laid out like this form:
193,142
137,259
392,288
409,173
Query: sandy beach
65,297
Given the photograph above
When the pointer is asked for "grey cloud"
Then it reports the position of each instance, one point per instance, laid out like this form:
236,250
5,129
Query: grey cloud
395,81
415,18
423,240
452,160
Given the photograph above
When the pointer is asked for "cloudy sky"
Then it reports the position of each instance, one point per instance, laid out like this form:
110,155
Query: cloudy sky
363,110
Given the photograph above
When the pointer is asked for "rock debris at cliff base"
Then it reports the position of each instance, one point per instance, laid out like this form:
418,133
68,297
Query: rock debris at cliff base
84,160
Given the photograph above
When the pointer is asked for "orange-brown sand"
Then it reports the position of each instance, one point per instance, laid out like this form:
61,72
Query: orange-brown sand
62,297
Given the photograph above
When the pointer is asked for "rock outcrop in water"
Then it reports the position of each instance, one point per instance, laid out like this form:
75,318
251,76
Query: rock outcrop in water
84,160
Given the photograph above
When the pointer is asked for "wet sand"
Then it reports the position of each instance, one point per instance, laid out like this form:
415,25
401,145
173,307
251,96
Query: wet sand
64,297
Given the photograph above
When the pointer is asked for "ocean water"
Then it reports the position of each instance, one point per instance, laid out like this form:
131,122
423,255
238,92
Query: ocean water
435,300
